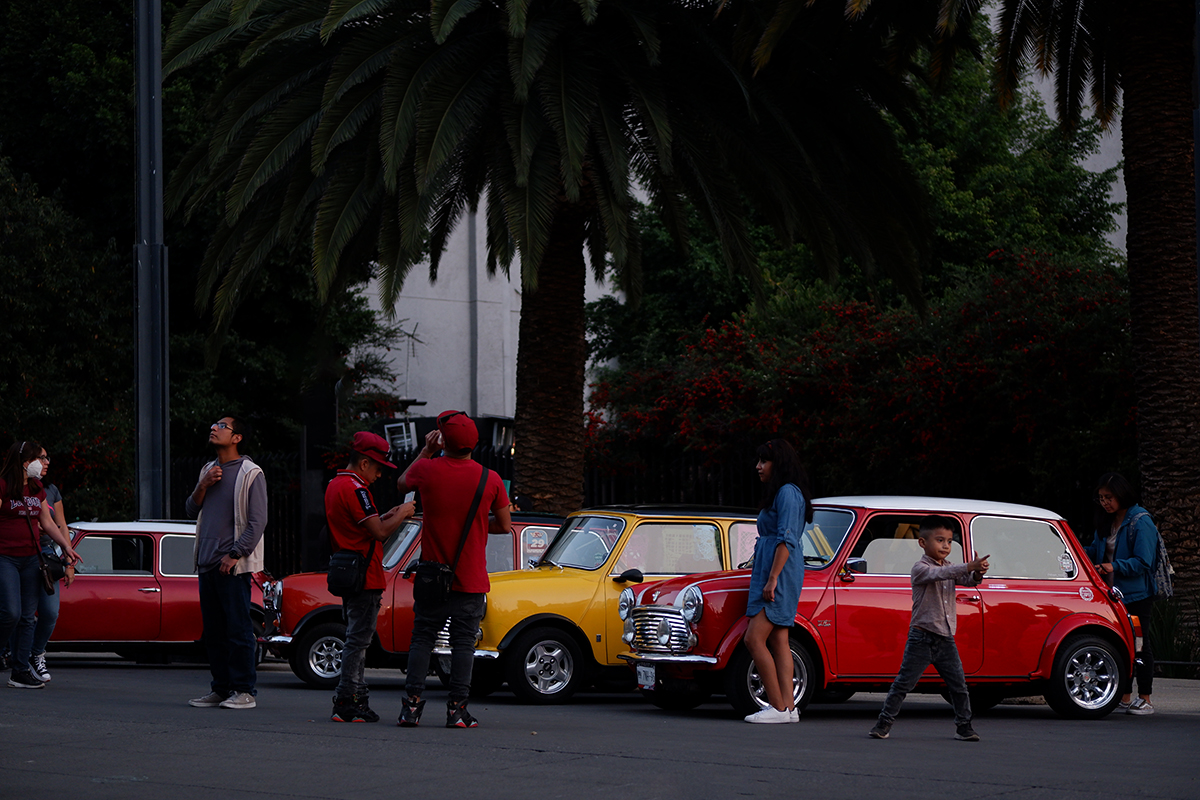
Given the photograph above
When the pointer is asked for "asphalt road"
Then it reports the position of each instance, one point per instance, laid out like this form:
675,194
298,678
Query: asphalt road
110,729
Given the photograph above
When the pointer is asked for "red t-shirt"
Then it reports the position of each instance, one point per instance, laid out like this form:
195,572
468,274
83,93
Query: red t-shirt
15,538
447,487
348,504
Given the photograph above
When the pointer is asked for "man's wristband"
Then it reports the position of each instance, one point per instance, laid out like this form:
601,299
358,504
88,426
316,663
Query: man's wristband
235,555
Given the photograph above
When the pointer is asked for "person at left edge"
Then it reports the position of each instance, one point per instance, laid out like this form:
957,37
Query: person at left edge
229,505
354,524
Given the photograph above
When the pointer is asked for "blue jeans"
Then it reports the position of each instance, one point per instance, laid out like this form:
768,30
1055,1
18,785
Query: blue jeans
922,649
361,612
228,631
47,616
20,585
465,611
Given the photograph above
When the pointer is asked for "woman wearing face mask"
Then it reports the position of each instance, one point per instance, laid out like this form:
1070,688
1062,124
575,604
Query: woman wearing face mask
23,517
48,604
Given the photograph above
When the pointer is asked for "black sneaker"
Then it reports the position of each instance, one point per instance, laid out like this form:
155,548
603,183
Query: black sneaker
881,730
363,709
24,680
352,709
457,716
410,712
966,733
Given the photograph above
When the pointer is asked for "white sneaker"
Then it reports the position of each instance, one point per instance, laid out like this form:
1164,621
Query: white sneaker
238,700
794,715
37,665
770,715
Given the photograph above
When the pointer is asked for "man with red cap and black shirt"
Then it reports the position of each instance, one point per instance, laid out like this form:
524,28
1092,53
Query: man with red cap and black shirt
355,524
448,486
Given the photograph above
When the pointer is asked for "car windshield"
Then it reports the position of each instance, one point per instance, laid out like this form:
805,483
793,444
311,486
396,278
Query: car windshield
825,534
397,544
584,542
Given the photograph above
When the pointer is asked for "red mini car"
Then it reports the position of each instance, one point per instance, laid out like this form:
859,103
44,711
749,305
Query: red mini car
304,621
135,592
1041,622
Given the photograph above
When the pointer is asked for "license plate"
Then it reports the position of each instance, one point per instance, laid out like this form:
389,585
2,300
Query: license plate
645,676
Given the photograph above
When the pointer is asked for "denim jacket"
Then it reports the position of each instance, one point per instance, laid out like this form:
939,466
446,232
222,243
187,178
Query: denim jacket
1132,565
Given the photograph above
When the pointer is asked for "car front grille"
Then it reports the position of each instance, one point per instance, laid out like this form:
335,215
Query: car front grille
652,623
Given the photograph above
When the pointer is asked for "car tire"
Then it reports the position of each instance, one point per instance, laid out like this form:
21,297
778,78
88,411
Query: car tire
544,666
676,699
1086,680
317,658
744,689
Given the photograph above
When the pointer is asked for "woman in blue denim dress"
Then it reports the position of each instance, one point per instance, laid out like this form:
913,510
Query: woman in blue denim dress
777,575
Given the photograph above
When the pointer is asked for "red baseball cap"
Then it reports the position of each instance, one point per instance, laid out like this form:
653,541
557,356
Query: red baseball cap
458,430
373,446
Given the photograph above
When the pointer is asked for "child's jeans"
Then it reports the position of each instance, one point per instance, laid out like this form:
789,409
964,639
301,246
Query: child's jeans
922,649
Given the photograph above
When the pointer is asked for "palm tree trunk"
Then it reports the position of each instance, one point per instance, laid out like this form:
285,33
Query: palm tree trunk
1157,141
550,369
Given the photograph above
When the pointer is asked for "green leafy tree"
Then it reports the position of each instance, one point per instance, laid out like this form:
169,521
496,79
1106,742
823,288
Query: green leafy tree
375,125
66,349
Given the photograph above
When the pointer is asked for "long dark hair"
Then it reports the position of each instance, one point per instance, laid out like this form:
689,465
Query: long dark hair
13,471
1122,490
785,469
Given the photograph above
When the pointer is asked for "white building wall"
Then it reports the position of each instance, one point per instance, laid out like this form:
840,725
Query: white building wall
468,324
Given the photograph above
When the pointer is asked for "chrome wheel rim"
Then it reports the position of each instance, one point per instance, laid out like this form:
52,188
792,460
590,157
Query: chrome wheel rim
325,657
549,667
799,682
1092,677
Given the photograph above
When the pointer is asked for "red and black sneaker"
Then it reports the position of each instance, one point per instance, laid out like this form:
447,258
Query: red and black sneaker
352,709
410,712
457,716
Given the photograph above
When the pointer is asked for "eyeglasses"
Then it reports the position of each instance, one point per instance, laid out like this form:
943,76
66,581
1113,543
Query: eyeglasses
223,426
448,417
44,459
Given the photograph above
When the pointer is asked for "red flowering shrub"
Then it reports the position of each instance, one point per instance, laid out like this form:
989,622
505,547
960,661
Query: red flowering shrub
1016,386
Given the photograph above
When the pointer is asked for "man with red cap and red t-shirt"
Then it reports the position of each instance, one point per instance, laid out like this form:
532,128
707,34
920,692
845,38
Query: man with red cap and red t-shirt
448,486
355,524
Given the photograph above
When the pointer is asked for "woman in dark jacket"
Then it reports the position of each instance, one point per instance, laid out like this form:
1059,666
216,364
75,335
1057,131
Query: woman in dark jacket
1123,550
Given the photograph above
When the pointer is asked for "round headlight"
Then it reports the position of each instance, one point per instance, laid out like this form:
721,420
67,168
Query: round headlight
692,604
625,603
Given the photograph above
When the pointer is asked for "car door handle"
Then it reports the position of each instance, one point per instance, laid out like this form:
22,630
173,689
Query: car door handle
150,589
972,598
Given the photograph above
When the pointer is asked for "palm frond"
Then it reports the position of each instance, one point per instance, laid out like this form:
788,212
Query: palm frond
281,135
444,15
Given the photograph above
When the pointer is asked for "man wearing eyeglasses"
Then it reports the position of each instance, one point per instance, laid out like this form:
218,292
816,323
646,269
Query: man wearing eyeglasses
229,505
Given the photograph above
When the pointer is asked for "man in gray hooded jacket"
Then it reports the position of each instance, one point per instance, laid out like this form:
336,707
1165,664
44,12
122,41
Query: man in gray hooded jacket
229,505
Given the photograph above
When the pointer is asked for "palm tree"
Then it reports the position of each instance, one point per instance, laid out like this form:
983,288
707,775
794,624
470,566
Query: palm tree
1139,56
373,125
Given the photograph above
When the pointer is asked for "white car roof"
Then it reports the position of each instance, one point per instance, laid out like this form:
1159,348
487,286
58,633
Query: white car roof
933,505
156,526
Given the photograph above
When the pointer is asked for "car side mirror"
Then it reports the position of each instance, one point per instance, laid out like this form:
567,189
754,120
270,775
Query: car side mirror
631,575
858,565
410,569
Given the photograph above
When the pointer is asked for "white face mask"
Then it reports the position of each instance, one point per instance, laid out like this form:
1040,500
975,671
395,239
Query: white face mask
34,470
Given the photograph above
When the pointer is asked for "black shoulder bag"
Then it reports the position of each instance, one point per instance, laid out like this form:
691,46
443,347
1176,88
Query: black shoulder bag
51,566
348,571
433,579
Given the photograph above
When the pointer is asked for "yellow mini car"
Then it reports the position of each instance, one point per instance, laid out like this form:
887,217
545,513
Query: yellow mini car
554,629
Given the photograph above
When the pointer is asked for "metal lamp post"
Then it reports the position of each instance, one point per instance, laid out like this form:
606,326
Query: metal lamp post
153,453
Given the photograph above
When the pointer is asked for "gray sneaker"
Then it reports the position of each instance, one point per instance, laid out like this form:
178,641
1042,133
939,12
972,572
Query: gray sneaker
1140,708
210,700
238,700
882,730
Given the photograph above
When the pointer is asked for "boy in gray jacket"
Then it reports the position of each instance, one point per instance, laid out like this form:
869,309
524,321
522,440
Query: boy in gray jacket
931,634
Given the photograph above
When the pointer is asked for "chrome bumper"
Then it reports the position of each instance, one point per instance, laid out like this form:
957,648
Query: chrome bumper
666,658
